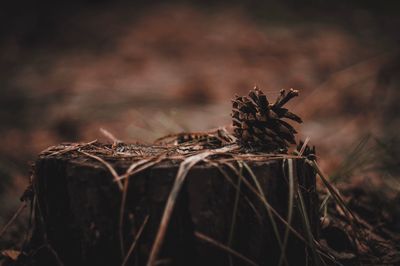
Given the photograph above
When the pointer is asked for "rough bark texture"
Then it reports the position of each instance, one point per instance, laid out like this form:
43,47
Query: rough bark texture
78,209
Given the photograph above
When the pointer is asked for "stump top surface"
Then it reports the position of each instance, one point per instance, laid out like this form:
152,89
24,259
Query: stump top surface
162,155
73,177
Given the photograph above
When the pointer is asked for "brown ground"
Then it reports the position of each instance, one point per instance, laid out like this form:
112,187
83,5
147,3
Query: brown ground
175,68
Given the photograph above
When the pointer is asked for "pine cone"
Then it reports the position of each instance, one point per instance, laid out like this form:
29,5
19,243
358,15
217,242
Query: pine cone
258,124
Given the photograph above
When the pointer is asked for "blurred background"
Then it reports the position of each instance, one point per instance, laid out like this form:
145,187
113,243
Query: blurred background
143,70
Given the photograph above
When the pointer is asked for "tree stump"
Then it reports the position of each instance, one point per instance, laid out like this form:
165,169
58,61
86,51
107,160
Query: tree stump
218,219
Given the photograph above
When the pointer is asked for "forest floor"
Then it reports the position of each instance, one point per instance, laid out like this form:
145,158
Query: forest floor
175,68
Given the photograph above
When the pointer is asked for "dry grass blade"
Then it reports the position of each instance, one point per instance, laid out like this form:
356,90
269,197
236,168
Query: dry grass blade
324,203
133,245
304,146
141,168
109,167
307,226
141,165
268,208
351,217
13,218
121,216
224,248
228,179
184,168
290,207
321,251
235,208
359,158
333,192
73,148
129,171
110,136
134,165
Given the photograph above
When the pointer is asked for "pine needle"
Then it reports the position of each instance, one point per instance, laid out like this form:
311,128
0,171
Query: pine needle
13,218
184,169
121,216
268,207
109,167
290,206
134,242
235,209
224,248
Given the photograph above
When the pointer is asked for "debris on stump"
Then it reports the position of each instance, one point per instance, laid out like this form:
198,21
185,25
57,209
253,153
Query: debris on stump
205,198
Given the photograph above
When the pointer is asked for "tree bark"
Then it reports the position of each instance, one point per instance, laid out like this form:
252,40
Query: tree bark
78,208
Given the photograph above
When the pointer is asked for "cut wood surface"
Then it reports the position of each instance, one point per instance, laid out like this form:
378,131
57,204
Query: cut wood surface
100,204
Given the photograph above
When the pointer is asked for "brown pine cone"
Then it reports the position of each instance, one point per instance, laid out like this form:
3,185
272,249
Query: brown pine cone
258,124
